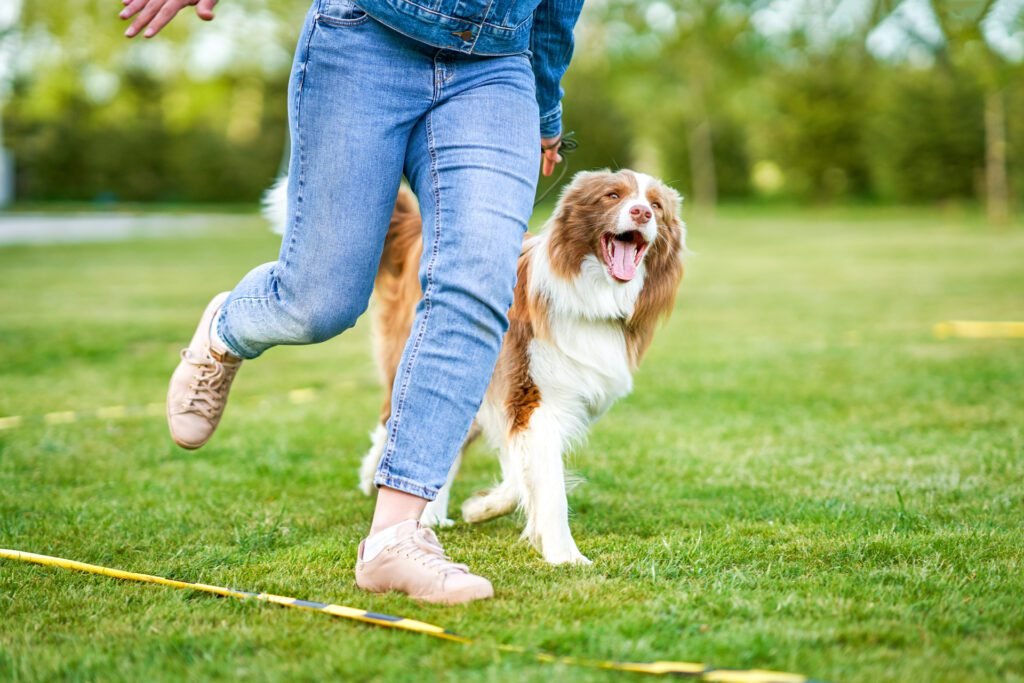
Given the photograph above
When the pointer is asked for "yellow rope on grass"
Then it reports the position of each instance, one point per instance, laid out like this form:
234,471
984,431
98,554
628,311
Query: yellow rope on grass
693,671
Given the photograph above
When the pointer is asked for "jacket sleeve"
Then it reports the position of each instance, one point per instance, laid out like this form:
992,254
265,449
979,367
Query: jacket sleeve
551,43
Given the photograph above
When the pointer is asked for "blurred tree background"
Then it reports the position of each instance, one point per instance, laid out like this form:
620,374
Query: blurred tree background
793,100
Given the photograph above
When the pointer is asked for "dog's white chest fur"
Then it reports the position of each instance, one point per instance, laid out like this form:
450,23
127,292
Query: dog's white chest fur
583,369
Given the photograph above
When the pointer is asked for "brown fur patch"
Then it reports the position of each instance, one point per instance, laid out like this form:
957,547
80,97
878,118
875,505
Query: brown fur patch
522,395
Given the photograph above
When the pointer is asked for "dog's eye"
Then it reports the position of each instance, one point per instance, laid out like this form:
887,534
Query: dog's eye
656,205
612,195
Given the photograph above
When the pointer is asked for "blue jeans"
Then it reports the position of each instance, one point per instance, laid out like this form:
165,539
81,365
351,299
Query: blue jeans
365,105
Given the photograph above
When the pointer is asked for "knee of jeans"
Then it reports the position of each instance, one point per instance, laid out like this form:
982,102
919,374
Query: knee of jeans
325,318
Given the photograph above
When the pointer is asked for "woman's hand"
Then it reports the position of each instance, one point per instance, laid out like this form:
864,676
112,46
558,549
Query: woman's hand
549,154
155,14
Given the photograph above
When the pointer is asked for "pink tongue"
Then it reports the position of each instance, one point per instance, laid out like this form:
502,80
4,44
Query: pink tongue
623,260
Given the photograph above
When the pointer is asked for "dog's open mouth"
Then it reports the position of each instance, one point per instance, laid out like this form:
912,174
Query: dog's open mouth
622,253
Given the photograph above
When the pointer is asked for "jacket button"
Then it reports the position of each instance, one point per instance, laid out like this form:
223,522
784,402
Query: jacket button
465,35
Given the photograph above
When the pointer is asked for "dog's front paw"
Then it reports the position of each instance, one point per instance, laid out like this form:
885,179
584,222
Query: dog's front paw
567,556
488,504
478,508
436,522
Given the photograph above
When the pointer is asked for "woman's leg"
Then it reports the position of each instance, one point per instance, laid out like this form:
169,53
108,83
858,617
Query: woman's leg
356,91
472,162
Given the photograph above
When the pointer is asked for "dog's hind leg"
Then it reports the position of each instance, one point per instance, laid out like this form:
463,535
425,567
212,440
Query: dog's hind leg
497,501
491,503
378,439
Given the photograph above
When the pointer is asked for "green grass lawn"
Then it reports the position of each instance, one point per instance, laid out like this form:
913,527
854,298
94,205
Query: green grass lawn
804,478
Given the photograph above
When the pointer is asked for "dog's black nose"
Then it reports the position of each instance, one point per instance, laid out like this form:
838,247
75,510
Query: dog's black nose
640,214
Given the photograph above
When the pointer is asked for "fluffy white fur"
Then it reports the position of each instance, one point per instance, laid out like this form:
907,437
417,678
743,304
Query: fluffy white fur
275,205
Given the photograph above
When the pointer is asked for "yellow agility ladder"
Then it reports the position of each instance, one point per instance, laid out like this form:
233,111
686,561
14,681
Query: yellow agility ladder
696,672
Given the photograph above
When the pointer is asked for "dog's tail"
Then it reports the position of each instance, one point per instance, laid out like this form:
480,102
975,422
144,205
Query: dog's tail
275,205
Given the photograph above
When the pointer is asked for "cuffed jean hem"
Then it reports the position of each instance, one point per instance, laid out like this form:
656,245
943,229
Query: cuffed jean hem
224,332
551,123
405,485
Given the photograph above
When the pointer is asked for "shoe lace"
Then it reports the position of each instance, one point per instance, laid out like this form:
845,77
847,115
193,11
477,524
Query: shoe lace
209,387
423,547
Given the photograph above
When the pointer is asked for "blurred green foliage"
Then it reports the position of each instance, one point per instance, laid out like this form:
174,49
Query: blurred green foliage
690,89
142,147
912,114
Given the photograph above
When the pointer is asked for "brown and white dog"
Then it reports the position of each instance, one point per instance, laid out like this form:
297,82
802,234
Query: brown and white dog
590,291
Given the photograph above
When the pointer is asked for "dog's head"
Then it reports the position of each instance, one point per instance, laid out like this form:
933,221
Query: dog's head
615,246
628,221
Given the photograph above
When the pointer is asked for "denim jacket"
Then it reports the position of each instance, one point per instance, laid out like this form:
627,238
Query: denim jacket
495,27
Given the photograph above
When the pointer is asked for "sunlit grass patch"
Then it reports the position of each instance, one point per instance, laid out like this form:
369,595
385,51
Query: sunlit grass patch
804,478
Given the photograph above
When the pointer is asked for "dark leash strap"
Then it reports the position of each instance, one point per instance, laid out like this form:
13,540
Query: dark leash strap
568,145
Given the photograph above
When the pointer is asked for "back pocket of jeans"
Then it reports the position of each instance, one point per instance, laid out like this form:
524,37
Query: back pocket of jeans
340,13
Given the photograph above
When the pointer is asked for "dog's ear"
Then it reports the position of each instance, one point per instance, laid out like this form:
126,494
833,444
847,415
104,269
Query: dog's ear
576,191
674,199
584,190
673,220
664,270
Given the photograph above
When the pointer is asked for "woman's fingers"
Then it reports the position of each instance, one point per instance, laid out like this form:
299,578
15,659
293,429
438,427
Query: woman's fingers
549,154
205,9
166,13
145,15
153,15
550,159
131,7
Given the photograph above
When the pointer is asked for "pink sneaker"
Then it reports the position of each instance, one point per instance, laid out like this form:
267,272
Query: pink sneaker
199,387
415,564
